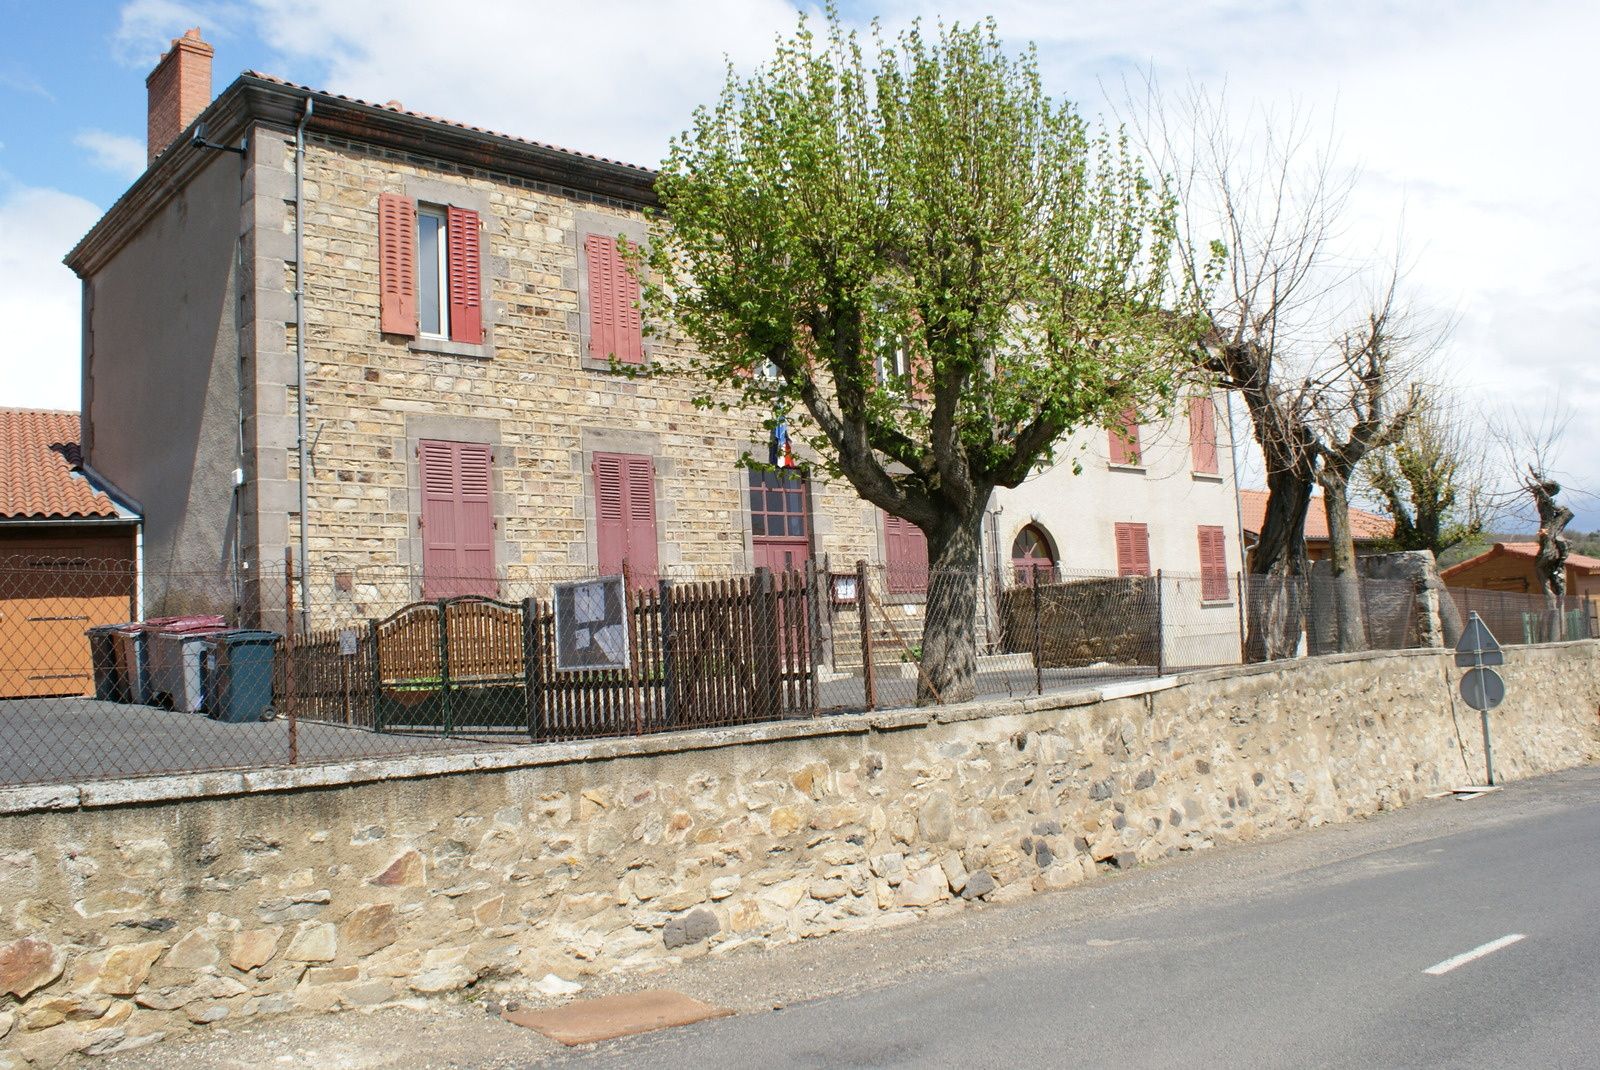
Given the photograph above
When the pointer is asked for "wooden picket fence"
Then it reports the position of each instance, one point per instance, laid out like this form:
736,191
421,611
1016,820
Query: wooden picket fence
733,651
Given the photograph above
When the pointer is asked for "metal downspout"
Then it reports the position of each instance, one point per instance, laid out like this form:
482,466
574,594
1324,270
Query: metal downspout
300,354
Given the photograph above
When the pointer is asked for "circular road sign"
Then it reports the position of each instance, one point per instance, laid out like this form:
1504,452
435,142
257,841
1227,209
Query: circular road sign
1483,689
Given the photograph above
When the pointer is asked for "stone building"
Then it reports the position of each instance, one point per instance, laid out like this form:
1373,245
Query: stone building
400,355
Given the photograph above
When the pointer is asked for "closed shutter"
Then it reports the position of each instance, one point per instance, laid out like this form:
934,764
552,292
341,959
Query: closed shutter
625,516
1213,565
457,519
615,327
1203,434
397,264
465,267
1123,439
1133,550
921,378
906,554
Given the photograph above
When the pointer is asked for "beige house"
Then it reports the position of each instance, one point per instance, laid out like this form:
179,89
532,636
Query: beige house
388,345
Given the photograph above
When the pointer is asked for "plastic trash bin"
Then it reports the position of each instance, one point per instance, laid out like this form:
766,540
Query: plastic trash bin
239,670
174,657
109,683
132,667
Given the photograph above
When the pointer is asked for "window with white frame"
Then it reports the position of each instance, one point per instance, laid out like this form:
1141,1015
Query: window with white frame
433,272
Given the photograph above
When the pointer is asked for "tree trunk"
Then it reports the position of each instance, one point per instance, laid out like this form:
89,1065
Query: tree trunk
1278,569
1349,618
949,631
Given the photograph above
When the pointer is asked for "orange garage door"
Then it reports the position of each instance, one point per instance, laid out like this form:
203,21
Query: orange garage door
52,589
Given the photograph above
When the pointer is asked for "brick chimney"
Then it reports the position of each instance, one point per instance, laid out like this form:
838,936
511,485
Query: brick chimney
179,89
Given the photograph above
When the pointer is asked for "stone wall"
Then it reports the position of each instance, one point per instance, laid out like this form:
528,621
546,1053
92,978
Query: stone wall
140,909
1114,620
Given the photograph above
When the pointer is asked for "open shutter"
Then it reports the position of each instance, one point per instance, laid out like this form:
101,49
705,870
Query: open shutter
906,554
397,264
1133,550
921,378
475,510
1213,564
1123,439
615,326
466,282
610,512
1203,434
641,506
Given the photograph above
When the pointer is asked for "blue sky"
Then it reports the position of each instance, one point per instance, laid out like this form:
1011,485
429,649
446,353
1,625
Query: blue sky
1469,121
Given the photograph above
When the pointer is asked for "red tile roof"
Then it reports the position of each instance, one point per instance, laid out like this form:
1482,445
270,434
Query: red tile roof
1530,550
1364,526
39,468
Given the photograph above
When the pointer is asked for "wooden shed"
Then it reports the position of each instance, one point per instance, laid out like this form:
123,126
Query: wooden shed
1509,566
68,557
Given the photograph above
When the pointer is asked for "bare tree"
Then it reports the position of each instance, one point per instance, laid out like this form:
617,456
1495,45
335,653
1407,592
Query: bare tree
1362,407
1435,479
1260,218
1530,445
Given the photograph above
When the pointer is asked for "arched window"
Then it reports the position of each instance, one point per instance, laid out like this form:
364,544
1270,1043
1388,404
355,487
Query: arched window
1032,554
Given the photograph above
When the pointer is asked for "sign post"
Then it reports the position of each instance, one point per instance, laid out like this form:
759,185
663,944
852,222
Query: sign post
1481,687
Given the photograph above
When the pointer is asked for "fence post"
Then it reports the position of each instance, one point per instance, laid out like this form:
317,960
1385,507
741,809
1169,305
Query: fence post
765,618
292,684
869,683
816,641
377,676
1038,633
444,665
1240,578
532,666
1161,624
669,700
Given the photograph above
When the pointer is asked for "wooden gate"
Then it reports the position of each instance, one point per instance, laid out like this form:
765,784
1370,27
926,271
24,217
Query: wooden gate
48,599
457,664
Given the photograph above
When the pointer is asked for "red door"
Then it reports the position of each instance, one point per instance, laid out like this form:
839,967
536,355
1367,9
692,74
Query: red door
780,520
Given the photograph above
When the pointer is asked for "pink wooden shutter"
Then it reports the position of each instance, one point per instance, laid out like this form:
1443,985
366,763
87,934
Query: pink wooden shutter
475,530
466,283
440,524
1133,550
906,554
1123,439
615,327
1213,565
397,264
610,512
641,506
1203,434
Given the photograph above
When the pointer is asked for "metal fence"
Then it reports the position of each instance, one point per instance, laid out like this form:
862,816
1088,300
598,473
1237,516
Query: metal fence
271,670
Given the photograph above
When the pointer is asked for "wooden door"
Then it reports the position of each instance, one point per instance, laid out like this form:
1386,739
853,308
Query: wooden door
52,590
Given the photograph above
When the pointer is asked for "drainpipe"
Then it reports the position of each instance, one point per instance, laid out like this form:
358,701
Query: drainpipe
300,353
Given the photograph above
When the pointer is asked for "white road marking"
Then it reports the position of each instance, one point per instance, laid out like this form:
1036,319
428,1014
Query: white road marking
1476,953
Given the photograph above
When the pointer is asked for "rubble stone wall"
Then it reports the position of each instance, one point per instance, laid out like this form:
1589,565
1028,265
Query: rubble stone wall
137,910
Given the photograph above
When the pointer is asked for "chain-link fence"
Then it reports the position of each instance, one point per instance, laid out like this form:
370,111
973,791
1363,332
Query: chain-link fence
274,669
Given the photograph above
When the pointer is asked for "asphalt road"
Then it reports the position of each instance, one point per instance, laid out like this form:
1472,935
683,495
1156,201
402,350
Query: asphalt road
1325,968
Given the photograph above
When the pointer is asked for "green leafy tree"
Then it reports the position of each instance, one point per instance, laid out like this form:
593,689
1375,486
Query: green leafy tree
1433,480
933,268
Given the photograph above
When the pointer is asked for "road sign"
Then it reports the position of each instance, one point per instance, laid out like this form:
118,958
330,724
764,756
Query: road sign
1477,646
1483,689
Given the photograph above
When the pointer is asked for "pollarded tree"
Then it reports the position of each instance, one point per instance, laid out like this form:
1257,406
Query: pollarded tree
1433,480
935,268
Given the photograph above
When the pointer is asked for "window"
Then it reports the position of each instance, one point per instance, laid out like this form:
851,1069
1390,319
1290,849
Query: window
457,519
1123,438
1203,435
1213,564
780,524
1133,550
430,270
615,327
1031,557
625,516
906,554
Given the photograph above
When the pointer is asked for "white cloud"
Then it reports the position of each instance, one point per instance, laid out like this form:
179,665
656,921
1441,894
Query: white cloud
40,297
615,79
121,155
146,27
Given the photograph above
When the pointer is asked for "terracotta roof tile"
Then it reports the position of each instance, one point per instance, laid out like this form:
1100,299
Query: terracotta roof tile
1364,526
1529,550
39,462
